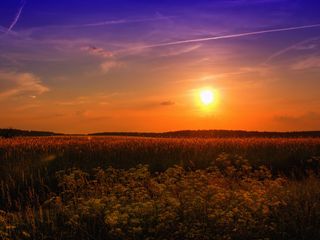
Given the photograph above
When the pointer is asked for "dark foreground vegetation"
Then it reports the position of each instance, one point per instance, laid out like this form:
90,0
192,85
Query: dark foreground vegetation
159,188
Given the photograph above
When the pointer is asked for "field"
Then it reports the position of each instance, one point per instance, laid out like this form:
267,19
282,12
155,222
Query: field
159,188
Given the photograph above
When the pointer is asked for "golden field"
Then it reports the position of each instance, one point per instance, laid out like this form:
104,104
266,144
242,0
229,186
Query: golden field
159,188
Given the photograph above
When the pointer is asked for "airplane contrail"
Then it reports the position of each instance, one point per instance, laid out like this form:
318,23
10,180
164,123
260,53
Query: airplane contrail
105,23
23,3
121,21
229,36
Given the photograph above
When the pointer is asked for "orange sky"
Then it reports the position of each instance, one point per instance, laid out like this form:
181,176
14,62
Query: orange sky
141,69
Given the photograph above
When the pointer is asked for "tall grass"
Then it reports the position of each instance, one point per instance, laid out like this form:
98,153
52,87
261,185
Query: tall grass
30,153
149,188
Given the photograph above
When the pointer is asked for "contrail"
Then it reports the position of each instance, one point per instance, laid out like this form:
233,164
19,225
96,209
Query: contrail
230,36
17,16
105,23
122,21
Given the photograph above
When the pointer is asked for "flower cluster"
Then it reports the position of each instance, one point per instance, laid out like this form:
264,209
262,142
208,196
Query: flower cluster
224,202
65,188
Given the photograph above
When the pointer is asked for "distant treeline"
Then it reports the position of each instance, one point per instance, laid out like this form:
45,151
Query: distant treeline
10,132
214,134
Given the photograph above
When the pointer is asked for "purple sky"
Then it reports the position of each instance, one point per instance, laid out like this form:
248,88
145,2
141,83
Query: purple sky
87,66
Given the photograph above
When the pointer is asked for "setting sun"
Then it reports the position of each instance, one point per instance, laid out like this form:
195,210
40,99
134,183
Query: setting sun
206,96
159,119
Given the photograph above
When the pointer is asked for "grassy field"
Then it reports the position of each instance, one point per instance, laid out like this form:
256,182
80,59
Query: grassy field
159,188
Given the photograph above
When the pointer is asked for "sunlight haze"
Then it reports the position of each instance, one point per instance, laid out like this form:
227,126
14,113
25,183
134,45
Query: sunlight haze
90,66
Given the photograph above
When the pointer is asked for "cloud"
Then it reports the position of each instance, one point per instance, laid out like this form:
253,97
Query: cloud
150,104
108,65
306,47
248,2
167,103
3,29
177,52
21,84
123,21
308,120
94,114
32,30
77,101
303,45
99,52
309,62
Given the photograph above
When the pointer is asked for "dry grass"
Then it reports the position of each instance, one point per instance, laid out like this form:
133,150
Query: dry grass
148,188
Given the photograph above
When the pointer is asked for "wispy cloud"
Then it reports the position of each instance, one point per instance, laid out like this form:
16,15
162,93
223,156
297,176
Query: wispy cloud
15,20
309,62
108,65
150,105
167,103
3,29
310,119
248,2
228,36
96,51
98,24
181,51
109,61
21,83
121,21
303,45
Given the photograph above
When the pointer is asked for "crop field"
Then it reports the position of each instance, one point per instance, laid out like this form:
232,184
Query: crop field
71,187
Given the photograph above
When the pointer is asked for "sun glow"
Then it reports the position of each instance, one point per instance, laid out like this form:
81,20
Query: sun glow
206,96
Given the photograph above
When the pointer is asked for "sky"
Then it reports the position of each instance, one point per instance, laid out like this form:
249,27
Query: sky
77,66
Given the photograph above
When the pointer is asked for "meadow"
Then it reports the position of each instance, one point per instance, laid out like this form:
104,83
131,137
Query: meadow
69,187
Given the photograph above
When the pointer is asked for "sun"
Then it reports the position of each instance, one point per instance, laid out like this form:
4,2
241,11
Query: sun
206,96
